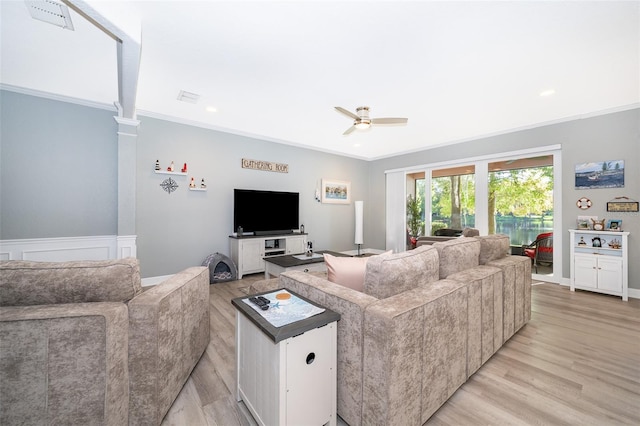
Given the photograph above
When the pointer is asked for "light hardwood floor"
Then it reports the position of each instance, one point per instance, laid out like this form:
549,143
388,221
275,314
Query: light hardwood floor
577,362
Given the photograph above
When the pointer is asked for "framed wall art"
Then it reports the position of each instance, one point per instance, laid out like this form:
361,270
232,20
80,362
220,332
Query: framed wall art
336,191
603,174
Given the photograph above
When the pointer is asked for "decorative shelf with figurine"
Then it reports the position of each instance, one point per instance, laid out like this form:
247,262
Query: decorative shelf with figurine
165,172
171,170
194,187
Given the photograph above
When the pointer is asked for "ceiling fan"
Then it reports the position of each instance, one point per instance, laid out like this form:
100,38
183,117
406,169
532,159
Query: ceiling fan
361,120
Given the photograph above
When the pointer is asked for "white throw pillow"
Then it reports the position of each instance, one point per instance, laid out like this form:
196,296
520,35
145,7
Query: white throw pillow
348,271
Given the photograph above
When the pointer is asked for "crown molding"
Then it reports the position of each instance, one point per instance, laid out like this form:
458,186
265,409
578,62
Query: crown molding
158,116
127,121
194,123
592,114
56,97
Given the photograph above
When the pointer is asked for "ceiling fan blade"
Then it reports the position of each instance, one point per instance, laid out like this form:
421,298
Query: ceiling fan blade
389,120
347,113
349,130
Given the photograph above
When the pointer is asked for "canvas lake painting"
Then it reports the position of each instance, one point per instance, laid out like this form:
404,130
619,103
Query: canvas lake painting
605,174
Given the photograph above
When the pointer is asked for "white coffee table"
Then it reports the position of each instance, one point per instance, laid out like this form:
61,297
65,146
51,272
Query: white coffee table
275,265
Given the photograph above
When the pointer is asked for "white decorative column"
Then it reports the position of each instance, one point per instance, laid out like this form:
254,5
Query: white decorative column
359,234
127,138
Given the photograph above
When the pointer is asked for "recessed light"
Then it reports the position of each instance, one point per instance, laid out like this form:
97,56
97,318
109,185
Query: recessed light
549,92
356,145
211,109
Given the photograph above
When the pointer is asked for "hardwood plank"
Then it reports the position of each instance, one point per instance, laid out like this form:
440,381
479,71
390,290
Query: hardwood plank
186,409
227,411
576,362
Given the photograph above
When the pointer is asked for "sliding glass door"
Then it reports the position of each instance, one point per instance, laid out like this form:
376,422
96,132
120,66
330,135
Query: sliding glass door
453,198
516,194
520,205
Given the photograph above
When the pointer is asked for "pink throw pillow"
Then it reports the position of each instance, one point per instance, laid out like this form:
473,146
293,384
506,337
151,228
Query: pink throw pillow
347,271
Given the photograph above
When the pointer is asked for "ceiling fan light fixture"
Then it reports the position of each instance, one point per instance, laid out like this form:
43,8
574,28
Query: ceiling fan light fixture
362,124
362,121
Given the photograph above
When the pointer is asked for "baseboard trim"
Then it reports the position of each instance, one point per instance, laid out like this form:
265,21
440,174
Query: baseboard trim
634,293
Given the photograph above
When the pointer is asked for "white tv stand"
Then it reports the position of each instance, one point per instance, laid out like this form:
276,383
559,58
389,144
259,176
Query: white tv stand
249,251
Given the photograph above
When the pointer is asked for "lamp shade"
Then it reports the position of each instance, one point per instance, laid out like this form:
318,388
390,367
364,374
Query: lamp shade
359,239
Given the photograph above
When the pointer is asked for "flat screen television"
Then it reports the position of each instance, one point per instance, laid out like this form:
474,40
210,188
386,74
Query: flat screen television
265,212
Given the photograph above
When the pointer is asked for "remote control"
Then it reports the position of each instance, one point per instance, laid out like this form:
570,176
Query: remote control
260,301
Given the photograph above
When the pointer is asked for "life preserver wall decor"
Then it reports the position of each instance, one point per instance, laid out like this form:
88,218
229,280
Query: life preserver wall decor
583,203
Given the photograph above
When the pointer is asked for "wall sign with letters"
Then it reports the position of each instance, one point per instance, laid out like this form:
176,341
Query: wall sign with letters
266,166
623,206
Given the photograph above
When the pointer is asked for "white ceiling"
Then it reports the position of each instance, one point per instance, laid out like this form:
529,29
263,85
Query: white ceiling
275,70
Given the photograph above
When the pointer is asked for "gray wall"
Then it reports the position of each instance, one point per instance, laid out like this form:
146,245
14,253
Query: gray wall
180,229
58,175
58,179
613,136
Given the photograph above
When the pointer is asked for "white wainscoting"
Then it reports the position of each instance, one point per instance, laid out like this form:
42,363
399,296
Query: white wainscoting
149,281
62,249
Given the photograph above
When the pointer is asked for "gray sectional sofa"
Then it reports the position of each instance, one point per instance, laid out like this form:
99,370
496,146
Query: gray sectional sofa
426,321
441,236
82,343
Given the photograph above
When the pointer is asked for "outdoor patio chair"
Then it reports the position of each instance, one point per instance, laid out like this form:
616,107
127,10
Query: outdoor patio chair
541,250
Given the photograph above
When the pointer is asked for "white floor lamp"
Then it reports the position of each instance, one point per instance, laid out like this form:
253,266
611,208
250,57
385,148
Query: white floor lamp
359,239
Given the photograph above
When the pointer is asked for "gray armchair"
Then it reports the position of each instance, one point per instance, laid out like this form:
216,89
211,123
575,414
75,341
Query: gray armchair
81,343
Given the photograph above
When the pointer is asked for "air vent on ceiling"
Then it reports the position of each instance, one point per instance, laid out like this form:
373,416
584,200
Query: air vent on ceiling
185,96
51,12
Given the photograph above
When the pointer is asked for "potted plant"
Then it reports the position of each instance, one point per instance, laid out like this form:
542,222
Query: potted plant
415,224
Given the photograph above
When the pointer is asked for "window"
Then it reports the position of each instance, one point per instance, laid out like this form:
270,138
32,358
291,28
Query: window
453,198
515,193
521,198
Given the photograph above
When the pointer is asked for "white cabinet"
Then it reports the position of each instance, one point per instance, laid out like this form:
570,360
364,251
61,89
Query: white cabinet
248,252
252,252
598,272
297,244
599,262
292,382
